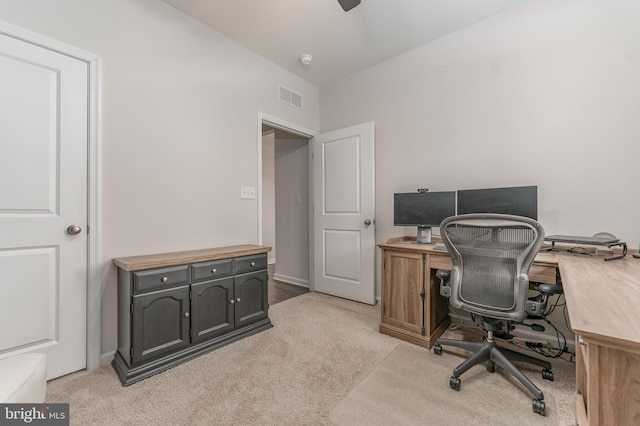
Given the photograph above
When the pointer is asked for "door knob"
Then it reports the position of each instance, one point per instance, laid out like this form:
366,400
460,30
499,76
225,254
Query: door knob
367,222
74,230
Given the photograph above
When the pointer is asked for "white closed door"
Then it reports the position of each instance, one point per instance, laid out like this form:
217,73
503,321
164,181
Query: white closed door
43,195
344,213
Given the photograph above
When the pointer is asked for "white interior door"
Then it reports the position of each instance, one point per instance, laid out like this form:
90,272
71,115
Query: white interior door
43,191
344,213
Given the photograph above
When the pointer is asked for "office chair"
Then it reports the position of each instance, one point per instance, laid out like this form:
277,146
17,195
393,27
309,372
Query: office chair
491,256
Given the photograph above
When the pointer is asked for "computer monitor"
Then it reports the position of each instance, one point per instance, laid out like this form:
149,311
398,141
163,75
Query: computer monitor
423,209
517,200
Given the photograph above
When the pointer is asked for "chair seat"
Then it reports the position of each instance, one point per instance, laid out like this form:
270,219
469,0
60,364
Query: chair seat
23,378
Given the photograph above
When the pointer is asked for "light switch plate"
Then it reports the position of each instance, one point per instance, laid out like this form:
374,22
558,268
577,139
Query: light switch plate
248,192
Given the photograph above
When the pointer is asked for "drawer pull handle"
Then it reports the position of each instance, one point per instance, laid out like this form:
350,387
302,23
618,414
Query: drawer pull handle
238,300
253,263
186,314
164,279
232,301
581,341
214,270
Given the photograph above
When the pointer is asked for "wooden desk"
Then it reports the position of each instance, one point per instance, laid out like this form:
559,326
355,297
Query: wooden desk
412,307
603,301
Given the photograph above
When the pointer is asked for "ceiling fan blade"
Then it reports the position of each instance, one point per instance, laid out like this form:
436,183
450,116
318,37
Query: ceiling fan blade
347,5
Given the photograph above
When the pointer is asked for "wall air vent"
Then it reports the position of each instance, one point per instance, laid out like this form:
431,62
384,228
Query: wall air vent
290,97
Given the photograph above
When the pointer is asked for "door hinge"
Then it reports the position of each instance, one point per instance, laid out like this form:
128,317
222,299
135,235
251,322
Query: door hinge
131,352
132,308
422,294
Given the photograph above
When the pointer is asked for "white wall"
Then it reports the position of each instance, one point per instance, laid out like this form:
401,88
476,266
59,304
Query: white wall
546,94
179,115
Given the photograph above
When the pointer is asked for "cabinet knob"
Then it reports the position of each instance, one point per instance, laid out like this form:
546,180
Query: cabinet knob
164,279
232,301
214,270
238,300
253,263
186,314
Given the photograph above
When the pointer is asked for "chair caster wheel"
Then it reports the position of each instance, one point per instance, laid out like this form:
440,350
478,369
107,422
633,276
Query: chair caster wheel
491,366
454,382
547,374
437,349
539,407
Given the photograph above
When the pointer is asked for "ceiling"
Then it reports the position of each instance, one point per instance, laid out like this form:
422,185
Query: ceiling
341,43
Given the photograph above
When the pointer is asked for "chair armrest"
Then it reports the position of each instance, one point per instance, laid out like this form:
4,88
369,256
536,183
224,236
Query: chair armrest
549,288
444,275
535,306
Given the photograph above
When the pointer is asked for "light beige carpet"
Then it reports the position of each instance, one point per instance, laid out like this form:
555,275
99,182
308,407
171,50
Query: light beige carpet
411,387
316,355
293,374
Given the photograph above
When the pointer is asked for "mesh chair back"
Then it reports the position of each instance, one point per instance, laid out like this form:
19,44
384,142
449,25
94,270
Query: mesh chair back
491,255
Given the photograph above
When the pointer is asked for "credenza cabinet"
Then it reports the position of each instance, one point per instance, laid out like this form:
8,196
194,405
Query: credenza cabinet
174,307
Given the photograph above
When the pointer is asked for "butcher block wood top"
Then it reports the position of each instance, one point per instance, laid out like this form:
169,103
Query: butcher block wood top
603,298
137,263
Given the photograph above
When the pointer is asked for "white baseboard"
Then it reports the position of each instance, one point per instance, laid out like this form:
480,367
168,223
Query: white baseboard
291,280
106,358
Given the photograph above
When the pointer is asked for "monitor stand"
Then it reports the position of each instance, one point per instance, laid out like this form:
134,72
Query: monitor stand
424,235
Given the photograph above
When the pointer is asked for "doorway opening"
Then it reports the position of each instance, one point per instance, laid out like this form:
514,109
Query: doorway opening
284,207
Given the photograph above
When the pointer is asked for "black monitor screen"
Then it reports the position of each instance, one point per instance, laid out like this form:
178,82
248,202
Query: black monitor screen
423,208
518,200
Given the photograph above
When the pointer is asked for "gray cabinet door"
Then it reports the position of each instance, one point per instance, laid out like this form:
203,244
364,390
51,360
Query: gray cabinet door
161,321
211,308
251,298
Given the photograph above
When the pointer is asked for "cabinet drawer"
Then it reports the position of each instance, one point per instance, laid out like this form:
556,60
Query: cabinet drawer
212,270
440,262
251,263
158,278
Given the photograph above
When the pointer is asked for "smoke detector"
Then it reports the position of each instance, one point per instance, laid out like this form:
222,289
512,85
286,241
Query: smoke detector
305,59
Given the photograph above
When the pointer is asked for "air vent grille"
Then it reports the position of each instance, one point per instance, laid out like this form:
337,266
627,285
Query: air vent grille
290,97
